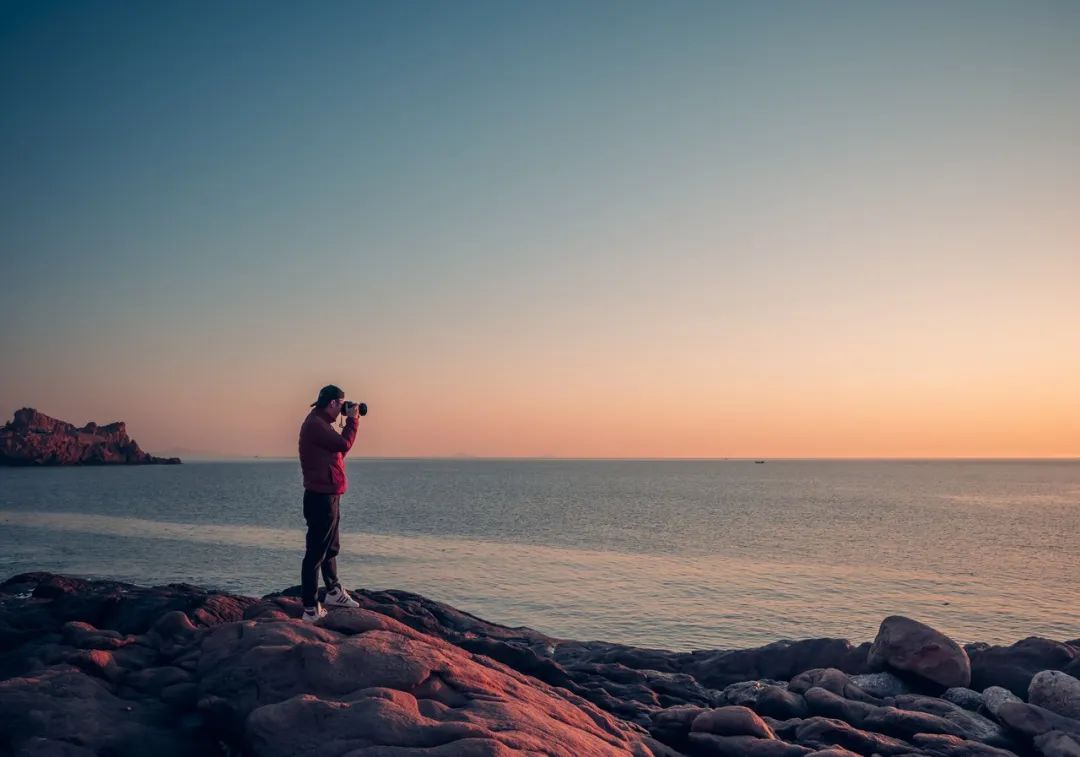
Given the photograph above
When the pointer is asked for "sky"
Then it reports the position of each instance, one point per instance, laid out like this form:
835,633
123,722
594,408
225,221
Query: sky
602,229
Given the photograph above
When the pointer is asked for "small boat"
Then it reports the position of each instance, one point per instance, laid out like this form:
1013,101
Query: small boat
759,462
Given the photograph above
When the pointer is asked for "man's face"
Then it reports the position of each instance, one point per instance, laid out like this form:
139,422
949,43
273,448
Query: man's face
334,408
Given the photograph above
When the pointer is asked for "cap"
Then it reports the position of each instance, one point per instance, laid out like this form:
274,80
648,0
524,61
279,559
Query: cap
328,393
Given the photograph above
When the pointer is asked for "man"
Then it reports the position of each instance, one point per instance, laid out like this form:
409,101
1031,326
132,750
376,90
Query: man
322,460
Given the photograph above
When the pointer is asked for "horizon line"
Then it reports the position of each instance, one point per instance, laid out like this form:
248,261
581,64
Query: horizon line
1056,458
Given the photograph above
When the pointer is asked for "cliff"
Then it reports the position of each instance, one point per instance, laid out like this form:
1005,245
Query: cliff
33,438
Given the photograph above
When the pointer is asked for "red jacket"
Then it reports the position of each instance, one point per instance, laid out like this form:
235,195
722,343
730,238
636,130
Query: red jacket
322,453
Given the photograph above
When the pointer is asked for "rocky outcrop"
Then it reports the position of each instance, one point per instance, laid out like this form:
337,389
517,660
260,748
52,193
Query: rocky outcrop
33,438
111,668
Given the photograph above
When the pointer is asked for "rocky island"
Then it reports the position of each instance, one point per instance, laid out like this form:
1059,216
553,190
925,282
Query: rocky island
106,668
33,438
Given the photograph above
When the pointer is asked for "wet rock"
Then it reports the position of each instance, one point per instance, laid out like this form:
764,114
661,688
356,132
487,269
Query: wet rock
913,647
1057,692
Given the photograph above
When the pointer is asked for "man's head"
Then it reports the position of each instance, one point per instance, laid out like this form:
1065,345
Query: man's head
330,400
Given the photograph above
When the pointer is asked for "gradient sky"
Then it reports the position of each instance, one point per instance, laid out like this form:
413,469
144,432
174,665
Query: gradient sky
603,229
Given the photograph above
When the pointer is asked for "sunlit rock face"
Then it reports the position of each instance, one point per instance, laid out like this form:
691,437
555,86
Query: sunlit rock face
33,438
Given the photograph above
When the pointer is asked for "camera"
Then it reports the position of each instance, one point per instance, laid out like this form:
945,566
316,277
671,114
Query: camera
347,406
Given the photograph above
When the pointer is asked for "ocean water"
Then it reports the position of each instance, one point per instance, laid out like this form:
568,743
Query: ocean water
670,554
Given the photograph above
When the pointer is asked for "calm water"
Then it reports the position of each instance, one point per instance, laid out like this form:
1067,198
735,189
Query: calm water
674,554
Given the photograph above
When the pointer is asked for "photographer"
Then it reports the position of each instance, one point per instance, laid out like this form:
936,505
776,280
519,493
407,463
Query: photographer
322,460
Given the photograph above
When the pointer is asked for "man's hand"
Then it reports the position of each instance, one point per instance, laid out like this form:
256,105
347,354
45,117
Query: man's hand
353,410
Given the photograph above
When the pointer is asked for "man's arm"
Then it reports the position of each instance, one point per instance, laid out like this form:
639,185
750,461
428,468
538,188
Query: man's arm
327,438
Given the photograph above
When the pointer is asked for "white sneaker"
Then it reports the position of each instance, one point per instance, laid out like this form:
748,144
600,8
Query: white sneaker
311,615
339,597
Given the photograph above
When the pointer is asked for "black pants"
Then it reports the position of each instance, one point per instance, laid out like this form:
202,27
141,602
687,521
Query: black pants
321,514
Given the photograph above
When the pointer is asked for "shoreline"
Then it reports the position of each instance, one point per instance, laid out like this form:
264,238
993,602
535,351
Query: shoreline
206,671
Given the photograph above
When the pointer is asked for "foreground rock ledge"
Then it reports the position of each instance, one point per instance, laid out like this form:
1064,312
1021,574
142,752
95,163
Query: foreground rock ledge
104,668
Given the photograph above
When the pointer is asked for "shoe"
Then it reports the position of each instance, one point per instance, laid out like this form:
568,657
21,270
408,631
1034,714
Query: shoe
338,597
312,615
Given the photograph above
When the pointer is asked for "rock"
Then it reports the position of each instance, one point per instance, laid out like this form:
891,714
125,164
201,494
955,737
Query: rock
881,685
63,705
913,647
832,680
780,661
1032,720
744,746
995,696
1057,744
732,721
33,438
887,720
1057,692
971,725
766,698
42,747
940,745
178,670
827,732
966,698
1014,666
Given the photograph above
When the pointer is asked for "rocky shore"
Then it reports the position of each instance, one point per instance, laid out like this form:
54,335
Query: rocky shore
33,438
105,668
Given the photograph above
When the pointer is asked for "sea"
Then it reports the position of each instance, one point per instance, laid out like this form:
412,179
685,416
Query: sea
670,554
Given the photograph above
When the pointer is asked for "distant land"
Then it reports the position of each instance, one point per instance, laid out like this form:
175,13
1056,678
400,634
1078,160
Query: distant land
35,439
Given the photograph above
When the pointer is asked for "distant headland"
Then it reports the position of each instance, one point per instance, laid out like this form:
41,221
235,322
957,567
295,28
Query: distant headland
36,439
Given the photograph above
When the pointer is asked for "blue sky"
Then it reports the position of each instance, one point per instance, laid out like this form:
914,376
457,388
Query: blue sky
513,224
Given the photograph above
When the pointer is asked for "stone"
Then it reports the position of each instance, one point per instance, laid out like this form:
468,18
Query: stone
966,698
941,745
1014,666
830,679
1056,691
828,732
995,696
743,746
913,647
732,721
1032,720
1057,744
971,725
881,685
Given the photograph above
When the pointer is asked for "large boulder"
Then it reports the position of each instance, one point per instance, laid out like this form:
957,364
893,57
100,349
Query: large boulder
1012,667
912,647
